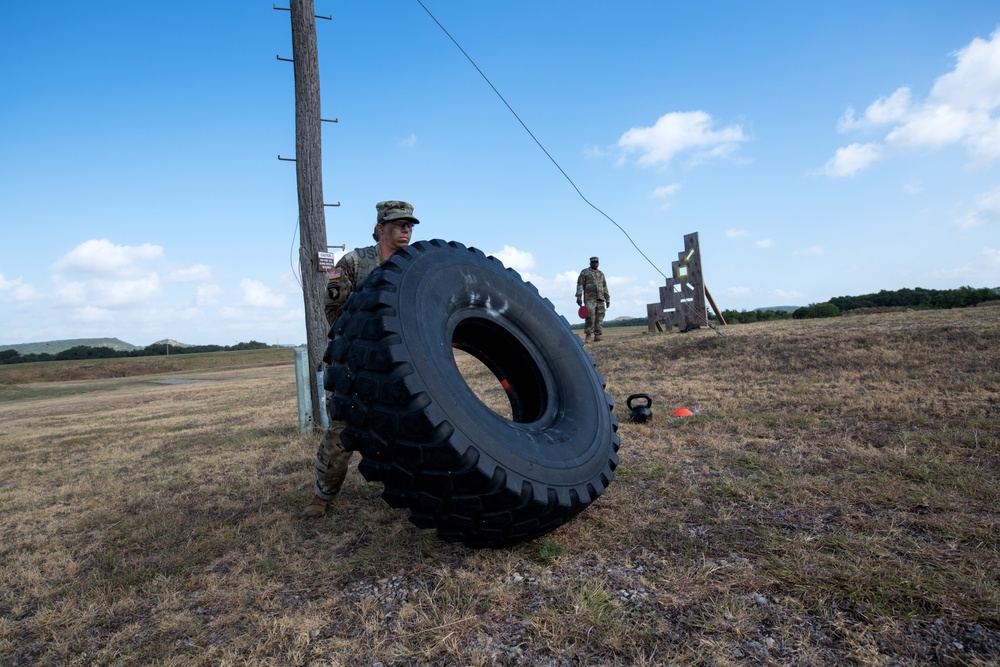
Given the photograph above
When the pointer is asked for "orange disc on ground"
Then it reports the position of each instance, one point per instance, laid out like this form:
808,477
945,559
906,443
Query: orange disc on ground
682,412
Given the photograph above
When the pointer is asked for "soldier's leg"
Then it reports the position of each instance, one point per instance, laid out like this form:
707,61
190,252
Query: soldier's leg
588,325
598,311
331,469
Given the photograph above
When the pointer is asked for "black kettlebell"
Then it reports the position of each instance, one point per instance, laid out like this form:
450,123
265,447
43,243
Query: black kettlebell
641,412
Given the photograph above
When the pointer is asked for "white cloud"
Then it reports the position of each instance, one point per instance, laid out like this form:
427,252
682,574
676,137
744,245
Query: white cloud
985,212
848,160
101,257
121,293
259,295
786,294
883,110
241,322
992,255
666,191
985,146
103,288
975,81
738,291
16,290
409,141
192,274
108,293
628,296
764,243
935,126
913,188
679,132
889,109
567,278
960,110
736,233
207,295
24,293
72,293
521,261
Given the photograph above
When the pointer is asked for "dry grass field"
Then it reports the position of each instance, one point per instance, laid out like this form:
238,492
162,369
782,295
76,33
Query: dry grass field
833,501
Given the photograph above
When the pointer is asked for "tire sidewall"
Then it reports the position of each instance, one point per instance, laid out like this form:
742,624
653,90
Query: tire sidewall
570,443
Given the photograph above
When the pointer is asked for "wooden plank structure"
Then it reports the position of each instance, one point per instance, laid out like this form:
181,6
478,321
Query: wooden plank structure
682,304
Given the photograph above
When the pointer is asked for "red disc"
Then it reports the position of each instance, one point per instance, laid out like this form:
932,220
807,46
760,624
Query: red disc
583,312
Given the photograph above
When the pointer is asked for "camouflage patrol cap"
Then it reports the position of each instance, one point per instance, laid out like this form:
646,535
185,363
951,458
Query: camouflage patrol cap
389,211
594,259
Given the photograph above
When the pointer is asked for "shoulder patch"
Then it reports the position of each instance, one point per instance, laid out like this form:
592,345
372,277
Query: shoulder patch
333,274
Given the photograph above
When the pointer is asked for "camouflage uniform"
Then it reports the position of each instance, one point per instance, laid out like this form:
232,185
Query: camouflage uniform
350,272
592,291
331,457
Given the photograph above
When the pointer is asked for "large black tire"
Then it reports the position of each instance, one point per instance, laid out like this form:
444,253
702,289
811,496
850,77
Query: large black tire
461,468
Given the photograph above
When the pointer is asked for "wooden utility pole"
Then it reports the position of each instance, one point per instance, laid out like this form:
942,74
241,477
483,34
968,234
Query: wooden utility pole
309,173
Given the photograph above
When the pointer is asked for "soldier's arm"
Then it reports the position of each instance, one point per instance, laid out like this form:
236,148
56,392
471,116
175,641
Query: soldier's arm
339,286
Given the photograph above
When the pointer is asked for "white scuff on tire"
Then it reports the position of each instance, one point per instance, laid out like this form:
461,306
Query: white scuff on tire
459,467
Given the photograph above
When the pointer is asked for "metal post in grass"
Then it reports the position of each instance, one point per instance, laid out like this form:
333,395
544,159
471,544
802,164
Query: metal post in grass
303,389
324,420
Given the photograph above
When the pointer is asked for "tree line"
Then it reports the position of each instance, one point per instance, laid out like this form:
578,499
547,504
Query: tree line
102,352
917,298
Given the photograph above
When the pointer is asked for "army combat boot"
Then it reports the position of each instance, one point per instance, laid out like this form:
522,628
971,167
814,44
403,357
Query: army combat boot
316,508
589,339
597,337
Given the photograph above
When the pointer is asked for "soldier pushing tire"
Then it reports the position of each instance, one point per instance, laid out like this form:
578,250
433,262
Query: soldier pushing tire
471,474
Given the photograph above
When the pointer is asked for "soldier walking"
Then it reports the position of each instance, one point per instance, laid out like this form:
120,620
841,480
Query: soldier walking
592,291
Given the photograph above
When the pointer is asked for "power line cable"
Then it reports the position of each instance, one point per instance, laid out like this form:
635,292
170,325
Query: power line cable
531,134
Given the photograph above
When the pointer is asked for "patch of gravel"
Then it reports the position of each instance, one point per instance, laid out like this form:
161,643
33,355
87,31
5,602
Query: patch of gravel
784,634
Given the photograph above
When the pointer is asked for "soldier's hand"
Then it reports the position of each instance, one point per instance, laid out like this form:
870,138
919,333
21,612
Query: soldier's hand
579,302
607,304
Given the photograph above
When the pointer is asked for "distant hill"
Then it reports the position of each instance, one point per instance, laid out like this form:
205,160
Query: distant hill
57,346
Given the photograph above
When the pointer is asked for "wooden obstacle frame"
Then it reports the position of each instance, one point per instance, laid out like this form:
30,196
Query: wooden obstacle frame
684,297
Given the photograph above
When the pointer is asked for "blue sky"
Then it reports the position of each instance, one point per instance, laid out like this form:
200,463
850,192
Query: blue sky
819,150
